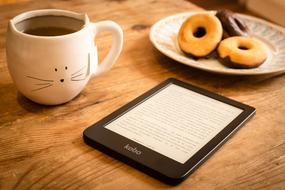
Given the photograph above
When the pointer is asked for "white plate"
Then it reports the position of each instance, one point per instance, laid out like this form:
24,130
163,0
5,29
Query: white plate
163,36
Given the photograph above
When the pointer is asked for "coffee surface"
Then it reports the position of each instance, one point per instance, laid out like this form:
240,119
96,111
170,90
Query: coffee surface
49,31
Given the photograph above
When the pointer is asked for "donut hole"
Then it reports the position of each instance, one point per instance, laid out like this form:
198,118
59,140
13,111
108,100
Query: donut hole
244,45
241,47
199,32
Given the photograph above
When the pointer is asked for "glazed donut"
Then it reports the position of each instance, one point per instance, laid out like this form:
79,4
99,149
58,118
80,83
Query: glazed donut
242,52
232,25
200,34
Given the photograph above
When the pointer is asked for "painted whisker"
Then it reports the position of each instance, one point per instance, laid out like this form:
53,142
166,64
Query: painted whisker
77,79
78,71
42,83
42,87
77,75
40,79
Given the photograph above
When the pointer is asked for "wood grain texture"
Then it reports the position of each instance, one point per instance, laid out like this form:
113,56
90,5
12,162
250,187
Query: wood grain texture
41,147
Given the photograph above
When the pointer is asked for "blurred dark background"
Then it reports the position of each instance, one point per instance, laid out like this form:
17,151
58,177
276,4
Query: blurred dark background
233,5
272,10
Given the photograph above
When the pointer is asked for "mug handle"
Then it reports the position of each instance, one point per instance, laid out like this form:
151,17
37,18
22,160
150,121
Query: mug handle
117,44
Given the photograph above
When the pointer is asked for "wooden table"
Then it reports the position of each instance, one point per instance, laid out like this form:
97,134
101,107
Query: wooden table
42,148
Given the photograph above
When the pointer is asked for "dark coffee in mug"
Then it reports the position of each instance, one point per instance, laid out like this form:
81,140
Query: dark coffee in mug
50,25
49,31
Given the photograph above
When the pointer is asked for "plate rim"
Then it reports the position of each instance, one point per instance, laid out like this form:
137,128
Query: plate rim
227,72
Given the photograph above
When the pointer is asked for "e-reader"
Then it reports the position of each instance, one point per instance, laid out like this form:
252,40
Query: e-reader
170,130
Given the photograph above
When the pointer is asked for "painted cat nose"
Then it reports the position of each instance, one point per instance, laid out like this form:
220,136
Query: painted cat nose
61,80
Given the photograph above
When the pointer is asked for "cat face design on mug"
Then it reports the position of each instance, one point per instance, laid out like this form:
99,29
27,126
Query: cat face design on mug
41,83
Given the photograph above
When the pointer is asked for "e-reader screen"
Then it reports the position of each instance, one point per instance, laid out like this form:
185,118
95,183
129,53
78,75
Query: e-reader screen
175,122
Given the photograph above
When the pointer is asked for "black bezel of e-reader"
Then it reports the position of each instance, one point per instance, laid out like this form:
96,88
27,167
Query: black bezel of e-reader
151,162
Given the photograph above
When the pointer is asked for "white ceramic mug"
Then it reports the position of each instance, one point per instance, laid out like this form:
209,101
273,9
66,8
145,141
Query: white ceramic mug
54,69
